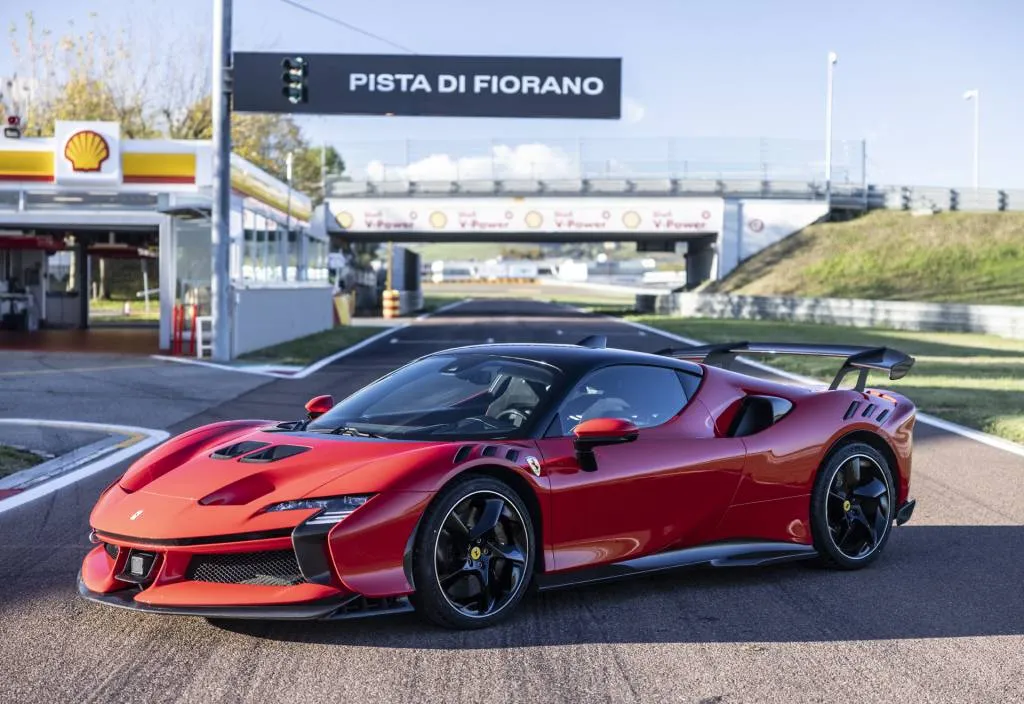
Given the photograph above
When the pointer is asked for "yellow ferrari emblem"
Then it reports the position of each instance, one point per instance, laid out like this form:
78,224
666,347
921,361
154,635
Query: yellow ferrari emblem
475,553
846,505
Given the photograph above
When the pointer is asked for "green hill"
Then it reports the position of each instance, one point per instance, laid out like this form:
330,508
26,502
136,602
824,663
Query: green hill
948,257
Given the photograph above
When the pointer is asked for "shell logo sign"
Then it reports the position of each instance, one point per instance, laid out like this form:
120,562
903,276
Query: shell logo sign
87,153
86,150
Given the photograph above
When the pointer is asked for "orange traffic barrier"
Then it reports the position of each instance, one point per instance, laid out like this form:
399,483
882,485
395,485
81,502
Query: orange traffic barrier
390,301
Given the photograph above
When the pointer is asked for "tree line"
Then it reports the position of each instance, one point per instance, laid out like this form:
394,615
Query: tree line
154,85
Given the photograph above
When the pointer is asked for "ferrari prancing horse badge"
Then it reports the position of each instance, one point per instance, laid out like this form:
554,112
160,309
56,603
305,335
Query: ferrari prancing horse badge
534,465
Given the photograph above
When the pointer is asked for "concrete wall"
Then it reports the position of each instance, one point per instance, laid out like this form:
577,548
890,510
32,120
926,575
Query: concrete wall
270,316
1006,321
750,225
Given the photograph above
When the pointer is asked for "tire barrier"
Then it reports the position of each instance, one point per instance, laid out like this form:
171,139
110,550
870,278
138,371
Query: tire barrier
391,304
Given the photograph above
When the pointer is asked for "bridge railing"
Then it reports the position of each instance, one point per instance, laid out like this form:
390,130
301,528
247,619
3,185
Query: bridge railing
547,159
748,168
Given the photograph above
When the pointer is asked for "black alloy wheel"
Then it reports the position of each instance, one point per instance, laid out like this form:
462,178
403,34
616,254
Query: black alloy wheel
474,556
851,507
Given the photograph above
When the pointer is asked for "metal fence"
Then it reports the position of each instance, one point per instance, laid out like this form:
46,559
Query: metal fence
724,167
688,158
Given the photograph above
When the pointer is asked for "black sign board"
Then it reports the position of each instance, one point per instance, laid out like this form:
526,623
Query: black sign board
435,86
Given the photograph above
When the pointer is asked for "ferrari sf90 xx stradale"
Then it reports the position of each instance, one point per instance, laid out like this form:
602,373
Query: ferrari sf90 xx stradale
458,482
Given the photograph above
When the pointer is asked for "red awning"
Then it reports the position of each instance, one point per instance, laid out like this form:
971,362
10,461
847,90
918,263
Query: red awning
32,242
120,251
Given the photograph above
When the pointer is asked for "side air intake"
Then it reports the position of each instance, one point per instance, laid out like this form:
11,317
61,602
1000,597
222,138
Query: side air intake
275,453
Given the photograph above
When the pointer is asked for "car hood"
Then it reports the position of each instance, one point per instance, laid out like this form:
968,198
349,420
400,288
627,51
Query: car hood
185,488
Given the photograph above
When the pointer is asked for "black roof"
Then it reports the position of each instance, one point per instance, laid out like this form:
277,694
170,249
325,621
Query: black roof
574,358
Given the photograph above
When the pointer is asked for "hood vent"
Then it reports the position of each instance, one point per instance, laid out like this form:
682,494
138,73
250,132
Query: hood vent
239,448
275,453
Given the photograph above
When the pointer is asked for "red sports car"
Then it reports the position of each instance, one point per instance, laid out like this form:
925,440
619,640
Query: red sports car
455,483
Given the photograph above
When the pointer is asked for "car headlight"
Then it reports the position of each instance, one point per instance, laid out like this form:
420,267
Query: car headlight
332,510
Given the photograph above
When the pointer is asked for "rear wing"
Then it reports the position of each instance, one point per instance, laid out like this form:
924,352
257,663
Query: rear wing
861,359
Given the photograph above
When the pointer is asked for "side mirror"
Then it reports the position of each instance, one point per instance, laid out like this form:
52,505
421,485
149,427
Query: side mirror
600,431
319,405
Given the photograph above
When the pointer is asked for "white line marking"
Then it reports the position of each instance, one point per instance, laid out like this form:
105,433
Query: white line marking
444,308
152,439
317,366
950,427
223,367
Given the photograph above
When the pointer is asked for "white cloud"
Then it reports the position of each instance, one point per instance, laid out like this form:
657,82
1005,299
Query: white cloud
632,110
524,161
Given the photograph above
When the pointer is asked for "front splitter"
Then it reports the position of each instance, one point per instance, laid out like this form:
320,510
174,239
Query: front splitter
334,609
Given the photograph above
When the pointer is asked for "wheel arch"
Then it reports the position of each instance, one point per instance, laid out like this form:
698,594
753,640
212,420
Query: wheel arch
495,471
868,438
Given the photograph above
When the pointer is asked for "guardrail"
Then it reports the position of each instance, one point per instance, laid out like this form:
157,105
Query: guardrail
1004,321
722,167
844,196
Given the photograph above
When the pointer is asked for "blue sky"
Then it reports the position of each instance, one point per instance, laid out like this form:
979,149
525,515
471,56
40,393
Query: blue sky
741,69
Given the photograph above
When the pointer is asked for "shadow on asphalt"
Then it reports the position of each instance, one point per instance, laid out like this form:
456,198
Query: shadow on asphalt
932,582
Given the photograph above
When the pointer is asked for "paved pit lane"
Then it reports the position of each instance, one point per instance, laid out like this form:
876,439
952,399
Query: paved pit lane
939,618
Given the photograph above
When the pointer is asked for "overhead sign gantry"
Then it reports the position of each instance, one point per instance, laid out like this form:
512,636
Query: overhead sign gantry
428,86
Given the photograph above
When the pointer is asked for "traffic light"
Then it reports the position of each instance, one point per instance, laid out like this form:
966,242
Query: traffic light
294,77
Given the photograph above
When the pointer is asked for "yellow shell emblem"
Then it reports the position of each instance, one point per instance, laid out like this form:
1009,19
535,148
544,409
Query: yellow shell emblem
438,219
534,219
86,150
631,220
345,219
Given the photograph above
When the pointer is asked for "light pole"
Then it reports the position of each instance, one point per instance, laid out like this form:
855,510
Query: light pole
833,58
220,279
976,97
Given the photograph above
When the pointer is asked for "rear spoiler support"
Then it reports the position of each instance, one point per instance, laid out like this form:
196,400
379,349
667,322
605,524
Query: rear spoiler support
855,358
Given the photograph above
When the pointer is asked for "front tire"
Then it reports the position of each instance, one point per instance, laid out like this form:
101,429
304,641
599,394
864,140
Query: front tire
852,507
473,558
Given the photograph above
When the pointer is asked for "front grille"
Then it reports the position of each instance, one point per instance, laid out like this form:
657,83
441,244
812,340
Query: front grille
274,568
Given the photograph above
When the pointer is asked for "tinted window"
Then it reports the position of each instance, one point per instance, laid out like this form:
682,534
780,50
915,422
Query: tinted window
447,396
645,396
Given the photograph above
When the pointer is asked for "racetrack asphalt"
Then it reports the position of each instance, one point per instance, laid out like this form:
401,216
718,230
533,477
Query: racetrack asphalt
939,618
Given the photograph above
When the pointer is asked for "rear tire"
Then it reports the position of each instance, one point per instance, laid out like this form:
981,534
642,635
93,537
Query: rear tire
473,557
852,507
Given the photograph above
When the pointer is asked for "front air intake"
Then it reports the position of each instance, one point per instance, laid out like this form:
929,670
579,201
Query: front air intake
275,453
272,568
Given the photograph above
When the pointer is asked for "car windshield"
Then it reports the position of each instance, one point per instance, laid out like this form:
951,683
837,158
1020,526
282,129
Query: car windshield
451,396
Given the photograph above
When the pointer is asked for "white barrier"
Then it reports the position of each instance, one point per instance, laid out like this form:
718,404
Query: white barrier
1005,321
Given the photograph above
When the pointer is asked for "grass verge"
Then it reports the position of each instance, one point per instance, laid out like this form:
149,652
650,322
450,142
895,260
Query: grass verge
112,311
974,380
311,348
949,257
14,460
609,303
